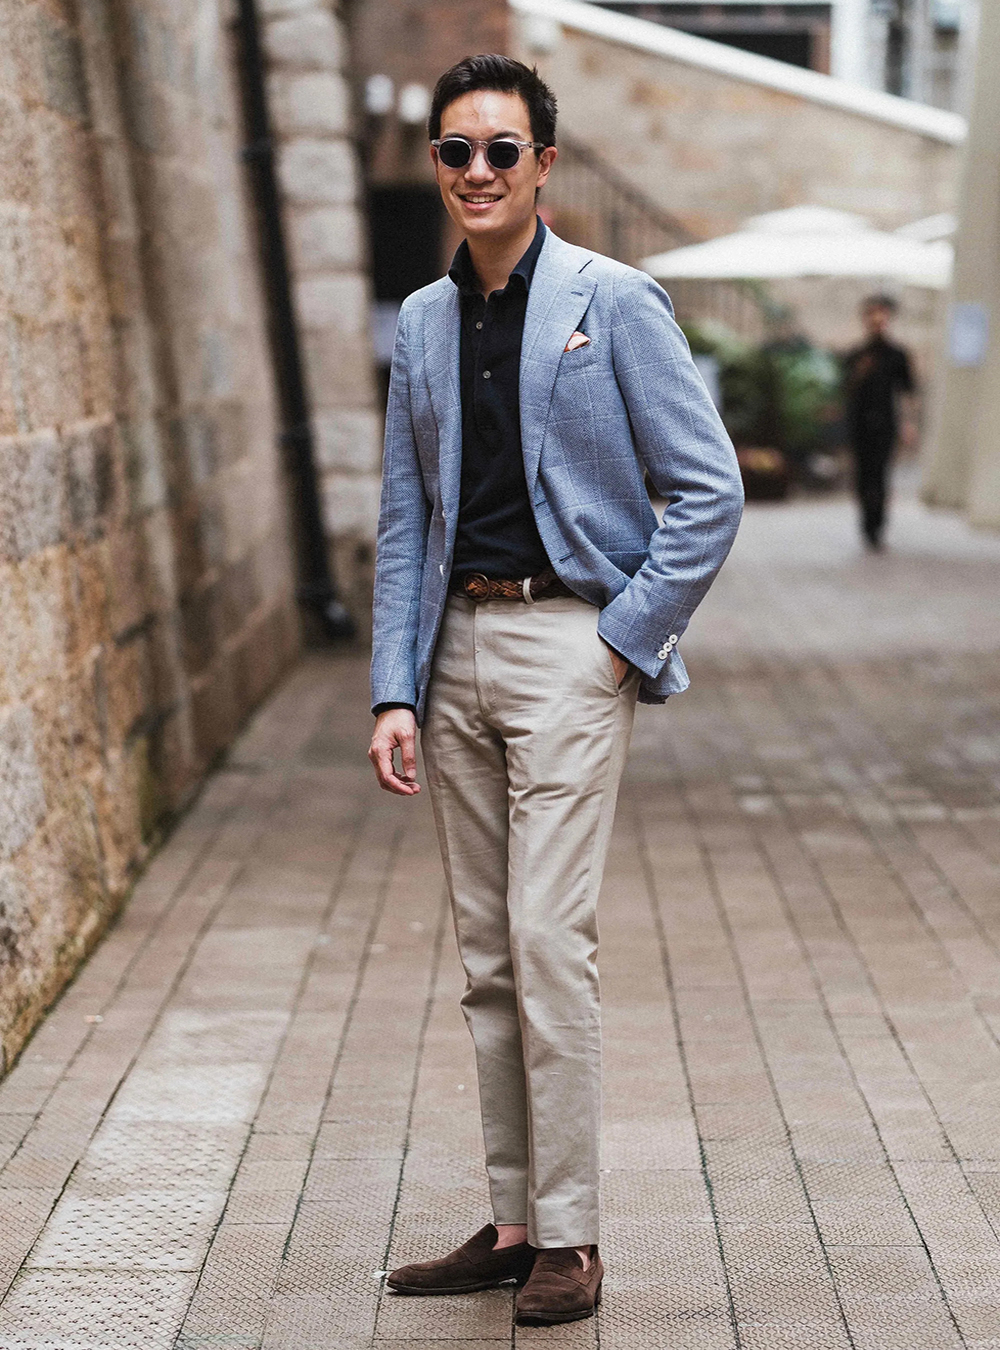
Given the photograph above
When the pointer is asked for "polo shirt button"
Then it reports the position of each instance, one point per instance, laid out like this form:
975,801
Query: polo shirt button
486,374
479,324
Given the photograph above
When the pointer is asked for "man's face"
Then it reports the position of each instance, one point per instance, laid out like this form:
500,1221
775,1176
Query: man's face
877,319
482,201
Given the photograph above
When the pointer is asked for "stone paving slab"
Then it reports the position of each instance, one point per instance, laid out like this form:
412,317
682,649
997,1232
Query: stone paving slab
259,1093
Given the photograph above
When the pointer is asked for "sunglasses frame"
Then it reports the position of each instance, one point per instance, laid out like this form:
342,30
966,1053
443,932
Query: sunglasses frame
474,145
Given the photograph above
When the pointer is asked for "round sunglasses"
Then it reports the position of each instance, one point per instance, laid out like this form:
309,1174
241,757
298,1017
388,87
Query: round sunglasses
455,152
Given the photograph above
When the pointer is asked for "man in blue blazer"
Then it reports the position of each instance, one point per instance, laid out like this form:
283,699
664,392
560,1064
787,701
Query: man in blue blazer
525,596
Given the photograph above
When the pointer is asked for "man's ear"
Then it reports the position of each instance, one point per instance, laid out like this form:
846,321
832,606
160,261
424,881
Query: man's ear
545,161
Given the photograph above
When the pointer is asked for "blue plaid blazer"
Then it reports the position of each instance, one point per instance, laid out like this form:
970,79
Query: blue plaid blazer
591,421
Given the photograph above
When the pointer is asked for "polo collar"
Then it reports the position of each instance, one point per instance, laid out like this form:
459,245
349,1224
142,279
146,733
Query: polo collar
463,274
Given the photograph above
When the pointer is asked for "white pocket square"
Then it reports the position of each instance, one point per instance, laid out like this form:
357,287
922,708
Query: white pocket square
577,339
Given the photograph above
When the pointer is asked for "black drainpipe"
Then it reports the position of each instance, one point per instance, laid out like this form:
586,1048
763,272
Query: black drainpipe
316,590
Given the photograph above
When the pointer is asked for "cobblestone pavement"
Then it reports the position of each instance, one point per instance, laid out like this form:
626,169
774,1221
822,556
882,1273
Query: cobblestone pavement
259,1092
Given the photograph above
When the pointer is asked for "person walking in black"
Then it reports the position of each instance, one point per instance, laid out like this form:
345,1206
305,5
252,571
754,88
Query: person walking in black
876,374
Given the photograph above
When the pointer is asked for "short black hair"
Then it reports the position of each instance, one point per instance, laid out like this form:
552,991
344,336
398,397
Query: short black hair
881,300
506,76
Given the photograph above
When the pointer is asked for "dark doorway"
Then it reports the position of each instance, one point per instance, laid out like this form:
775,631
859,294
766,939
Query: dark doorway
406,239
406,230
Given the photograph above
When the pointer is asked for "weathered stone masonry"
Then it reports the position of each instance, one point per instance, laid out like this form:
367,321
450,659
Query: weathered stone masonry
146,588
310,108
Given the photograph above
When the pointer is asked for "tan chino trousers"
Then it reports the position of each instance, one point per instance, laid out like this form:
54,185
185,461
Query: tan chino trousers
524,742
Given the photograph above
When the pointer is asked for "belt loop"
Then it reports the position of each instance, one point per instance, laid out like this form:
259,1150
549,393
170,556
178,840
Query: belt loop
529,599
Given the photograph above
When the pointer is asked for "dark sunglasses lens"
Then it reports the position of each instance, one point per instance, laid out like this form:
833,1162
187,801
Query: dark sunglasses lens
503,154
455,153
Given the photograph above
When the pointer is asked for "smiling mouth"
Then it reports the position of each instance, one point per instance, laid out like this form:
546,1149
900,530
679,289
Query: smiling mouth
479,198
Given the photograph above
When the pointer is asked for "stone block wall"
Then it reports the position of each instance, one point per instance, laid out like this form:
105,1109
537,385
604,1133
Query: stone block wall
312,119
146,591
713,149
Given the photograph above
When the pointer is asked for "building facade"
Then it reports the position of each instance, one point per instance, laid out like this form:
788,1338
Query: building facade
147,566
919,49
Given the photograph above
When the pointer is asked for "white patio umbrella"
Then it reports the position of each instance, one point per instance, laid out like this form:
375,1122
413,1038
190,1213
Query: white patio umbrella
928,228
808,241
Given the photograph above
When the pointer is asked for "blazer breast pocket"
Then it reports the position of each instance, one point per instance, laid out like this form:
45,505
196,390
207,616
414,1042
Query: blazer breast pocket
580,357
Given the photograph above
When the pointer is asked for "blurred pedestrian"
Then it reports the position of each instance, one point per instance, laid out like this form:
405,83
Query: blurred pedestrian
525,597
876,375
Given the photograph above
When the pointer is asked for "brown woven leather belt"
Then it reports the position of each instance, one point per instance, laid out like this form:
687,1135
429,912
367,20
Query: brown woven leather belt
475,586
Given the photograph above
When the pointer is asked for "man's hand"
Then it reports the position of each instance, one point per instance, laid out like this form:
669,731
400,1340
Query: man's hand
620,664
396,727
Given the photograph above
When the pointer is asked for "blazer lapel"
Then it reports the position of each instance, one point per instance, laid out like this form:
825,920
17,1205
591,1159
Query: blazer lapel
442,335
557,301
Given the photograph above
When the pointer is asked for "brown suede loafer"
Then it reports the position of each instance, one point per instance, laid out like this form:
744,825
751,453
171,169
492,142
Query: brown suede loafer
560,1290
474,1265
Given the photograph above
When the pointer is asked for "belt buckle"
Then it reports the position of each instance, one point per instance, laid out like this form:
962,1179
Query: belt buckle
476,586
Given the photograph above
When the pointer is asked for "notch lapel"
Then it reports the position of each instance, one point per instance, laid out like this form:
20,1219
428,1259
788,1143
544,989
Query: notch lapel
557,300
442,334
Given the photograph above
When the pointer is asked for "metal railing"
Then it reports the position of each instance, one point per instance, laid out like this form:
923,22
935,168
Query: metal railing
593,205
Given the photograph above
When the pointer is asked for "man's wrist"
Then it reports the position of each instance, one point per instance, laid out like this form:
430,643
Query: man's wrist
388,707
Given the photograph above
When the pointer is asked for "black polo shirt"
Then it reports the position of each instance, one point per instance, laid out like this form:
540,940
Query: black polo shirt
496,532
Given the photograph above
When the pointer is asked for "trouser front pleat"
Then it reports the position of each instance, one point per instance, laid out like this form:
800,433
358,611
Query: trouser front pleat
524,742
